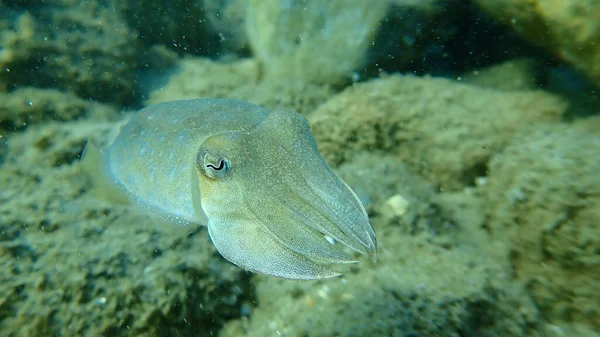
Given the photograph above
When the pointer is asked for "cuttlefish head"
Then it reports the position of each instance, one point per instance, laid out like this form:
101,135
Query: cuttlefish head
273,204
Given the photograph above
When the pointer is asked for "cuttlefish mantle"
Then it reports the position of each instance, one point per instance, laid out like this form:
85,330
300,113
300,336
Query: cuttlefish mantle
253,176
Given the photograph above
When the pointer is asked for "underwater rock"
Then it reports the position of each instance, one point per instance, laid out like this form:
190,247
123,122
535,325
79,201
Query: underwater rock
444,131
543,201
203,78
415,288
569,29
424,282
83,48
312,40
73,266
238,79
27,105
340,42
376,178
513,75
303,97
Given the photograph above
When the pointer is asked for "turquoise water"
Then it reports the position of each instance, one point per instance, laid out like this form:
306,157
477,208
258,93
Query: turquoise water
469,131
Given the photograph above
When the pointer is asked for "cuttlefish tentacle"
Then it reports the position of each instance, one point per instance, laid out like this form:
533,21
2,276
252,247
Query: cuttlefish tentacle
271,203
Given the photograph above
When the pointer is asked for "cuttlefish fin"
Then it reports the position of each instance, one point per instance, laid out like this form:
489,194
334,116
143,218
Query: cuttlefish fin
253,248
93,163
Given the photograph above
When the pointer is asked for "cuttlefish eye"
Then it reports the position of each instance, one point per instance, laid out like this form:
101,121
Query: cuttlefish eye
214,167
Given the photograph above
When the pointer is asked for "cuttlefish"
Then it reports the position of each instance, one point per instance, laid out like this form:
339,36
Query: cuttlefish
253,176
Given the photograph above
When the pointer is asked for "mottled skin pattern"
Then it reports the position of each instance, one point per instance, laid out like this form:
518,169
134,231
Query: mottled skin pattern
254,177
152,156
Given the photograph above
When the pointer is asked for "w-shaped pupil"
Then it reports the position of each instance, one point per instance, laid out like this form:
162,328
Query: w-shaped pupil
217,168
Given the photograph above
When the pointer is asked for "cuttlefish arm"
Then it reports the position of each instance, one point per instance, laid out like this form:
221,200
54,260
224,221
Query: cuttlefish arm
274,206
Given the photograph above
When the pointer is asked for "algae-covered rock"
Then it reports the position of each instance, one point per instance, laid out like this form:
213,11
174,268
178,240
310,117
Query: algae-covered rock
570,29
513,75
415,289
378,178
203,78
74,265
81,47
312,40
303,97
443,130
425,281
27,105
239,79
418,286
340,41
543,201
